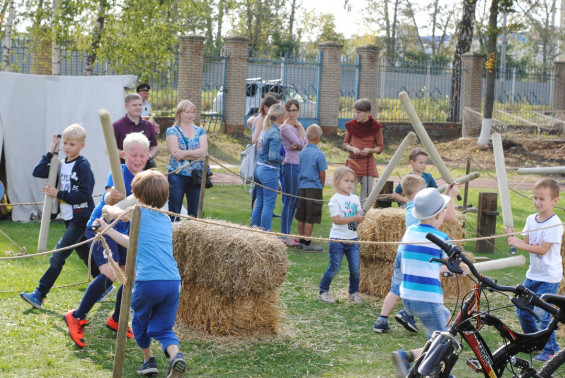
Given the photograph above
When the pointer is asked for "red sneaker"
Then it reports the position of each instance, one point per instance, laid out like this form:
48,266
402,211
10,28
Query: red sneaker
113,325
76,328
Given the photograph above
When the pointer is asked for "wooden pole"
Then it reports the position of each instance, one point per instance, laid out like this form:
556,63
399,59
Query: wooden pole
394,160
466,192
502,183
461,180
112,149
126,293
542,171
486,222
203,187
508,262
48,202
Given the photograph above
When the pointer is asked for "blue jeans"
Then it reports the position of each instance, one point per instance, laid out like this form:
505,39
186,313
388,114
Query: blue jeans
290,186
396,275
432,315
529,323
179,186
74,233
262,214
351,252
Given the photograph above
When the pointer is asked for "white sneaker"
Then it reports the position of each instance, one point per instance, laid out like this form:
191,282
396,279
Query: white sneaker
326,297
355,298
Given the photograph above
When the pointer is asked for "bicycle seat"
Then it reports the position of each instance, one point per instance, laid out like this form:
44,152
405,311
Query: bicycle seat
554,299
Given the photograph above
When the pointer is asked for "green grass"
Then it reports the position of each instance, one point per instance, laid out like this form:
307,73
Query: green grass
314,339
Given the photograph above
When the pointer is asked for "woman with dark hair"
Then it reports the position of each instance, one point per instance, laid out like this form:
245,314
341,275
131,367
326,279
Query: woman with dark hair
293,139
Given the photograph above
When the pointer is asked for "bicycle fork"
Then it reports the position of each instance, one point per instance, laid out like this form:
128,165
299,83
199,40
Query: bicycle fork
443,345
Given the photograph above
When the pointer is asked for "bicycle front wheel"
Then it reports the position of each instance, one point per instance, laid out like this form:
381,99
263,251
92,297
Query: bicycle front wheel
554,367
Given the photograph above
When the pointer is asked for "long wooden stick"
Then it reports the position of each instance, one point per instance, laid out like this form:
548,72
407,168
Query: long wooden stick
126,293
112,149
461,180
507,262
425,138
48,202
502,183
542,171
408,139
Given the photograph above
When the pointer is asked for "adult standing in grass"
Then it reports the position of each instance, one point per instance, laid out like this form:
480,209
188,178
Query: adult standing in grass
293,139
363,138
186,142
268,168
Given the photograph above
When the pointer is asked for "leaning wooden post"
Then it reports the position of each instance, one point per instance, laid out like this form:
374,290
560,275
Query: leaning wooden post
126,293
202,187
48,202
466,192
112,149
500,166
542,171
394,160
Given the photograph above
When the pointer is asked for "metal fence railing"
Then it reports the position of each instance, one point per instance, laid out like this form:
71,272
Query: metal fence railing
348,88
213,83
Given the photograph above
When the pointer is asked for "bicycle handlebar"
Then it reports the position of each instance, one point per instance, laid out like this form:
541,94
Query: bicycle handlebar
524,297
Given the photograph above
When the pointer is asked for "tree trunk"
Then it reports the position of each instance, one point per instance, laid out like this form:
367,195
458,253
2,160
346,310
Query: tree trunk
466,27
491,74
7,48
55,46
413,15
434,23
291,18
96,37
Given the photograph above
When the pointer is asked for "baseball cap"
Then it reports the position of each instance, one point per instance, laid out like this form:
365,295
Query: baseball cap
428,203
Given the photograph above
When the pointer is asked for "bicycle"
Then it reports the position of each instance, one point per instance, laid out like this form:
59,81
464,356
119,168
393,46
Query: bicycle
442,351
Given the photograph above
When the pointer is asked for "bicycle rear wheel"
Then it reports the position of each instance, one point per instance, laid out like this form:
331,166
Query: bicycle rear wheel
555,367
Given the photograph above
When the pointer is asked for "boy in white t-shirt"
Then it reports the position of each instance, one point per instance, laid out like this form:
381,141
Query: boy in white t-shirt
546,270
345,210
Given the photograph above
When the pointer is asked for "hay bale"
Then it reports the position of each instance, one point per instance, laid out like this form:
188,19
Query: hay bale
236,263
205,309
561,290
449,284
379,225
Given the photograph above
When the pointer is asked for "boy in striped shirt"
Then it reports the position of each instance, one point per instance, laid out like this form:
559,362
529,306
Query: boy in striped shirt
420,290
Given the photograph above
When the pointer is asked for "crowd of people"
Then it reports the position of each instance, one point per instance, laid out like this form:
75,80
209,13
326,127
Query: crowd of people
289,161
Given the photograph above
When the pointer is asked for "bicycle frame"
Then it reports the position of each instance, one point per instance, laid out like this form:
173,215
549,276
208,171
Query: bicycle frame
494,364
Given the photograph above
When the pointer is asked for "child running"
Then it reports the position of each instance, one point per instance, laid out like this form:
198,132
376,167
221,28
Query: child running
345,209
546,269
135,153
76,182
412,184
156,290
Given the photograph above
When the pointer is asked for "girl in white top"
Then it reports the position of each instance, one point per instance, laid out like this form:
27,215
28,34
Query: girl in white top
345,210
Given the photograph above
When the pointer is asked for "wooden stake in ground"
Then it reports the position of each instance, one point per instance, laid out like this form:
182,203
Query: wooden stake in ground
48,202
502,184
126,293
425,138
409,139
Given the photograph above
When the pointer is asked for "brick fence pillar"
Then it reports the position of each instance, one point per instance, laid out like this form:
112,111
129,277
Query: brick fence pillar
191,61
472,81
234,92
40,62
328,101
559,92
368,73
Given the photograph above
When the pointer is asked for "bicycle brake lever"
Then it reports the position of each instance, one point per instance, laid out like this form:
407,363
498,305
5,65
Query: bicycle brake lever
522,305
453,267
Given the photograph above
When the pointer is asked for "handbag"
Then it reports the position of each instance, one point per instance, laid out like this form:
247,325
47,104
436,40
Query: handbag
248,163
197,179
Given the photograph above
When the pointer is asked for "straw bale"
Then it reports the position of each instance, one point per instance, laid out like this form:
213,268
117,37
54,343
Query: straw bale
205,309
376,276
561,290
236,263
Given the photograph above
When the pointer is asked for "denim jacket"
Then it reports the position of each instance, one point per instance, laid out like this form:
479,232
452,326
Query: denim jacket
271,147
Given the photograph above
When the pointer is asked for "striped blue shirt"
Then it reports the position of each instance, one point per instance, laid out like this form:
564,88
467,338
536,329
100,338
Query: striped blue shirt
420,277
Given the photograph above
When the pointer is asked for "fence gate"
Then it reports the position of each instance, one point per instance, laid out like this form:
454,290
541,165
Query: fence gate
348,88
292,77
213,84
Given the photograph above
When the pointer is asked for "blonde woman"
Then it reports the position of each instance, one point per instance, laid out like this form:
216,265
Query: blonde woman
268,168
186,142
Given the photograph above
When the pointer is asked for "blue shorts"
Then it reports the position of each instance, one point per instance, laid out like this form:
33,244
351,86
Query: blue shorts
396,275
433,316
119,253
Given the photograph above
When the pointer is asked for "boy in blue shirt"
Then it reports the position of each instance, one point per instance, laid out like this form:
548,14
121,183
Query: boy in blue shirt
418,159
424,301
135,154
76,183
156,290
312,176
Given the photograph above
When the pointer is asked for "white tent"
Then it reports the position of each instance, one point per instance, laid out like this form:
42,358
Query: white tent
33,108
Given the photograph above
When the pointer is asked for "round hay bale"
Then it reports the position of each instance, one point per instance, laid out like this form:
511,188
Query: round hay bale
449,284
454,228
236,263
205,309
561,290
375,277
382,225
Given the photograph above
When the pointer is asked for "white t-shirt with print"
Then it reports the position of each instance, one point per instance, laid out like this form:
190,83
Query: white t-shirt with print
344,206
66,210
548,267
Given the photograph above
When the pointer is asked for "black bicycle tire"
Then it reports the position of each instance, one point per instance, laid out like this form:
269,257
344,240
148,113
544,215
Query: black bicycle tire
552,365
